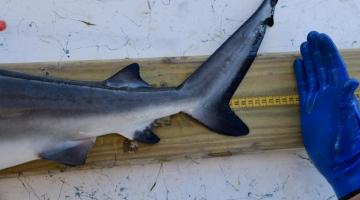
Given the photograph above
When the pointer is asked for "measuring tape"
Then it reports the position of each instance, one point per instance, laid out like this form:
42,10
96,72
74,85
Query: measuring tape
268,101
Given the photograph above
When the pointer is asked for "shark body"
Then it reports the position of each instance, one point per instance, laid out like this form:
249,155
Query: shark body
59,120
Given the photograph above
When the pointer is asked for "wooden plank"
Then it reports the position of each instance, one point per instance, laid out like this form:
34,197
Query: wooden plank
271,127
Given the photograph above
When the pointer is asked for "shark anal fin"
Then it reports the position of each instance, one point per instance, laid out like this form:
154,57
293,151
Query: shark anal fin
127,78
221,120
73,152
146,136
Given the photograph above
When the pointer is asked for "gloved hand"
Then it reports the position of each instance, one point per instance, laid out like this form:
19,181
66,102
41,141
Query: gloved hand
330,117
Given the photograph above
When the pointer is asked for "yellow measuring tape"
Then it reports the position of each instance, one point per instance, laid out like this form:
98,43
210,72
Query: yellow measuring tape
268,101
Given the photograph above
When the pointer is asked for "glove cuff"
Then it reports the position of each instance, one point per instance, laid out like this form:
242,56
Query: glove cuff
351,195
347,183
347,190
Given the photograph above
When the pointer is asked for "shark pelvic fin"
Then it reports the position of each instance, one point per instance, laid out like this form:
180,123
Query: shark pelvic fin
220,119
146,136
127,78
71,152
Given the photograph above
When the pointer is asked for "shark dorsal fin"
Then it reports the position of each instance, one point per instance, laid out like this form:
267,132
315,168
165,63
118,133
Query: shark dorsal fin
127,78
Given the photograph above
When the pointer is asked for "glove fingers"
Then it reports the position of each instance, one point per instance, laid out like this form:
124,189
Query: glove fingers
301,80
313,41
332,60
311,77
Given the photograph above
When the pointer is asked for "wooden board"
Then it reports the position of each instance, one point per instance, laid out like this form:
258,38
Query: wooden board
181,137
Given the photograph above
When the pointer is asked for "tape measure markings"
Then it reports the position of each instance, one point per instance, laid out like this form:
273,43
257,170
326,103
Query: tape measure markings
268,101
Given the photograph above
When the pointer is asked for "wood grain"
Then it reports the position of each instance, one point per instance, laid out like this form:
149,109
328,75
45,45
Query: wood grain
181,137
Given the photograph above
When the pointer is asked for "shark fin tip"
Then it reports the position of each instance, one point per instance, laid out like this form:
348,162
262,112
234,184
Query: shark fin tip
146,136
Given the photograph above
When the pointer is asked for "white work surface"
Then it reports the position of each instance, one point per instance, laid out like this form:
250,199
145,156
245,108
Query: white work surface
60,31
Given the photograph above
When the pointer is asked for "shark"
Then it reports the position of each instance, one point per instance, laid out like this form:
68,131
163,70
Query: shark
59,120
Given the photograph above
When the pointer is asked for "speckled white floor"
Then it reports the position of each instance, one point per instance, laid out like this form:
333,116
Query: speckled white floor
56,30
271,175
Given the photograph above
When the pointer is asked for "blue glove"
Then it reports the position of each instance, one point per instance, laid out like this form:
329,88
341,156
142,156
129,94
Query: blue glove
330,117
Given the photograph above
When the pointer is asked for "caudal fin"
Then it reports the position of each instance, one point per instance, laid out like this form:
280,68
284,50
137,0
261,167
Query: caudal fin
213,84
220,119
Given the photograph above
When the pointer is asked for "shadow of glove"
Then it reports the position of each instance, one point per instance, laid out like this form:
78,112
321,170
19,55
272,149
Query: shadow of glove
330,117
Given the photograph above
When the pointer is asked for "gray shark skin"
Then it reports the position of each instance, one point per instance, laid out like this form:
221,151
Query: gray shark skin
59,120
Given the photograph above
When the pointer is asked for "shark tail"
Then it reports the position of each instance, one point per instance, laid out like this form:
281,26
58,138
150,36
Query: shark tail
211,108
214,83
211,103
